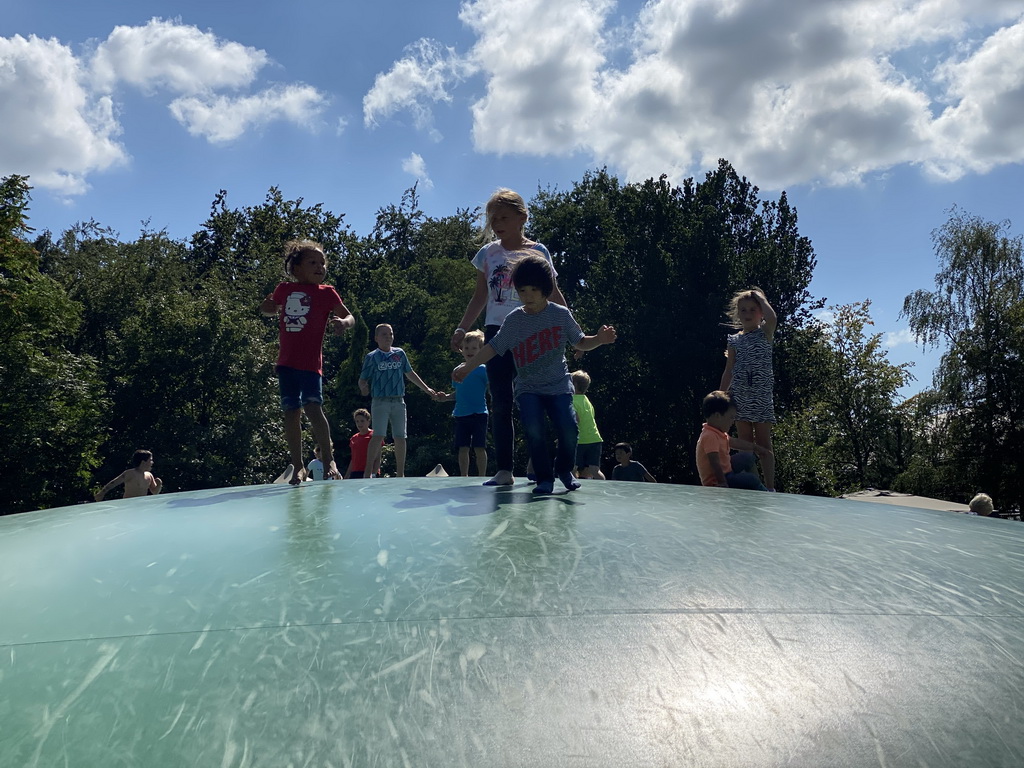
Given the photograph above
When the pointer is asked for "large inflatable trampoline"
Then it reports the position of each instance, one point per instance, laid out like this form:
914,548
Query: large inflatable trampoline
435,622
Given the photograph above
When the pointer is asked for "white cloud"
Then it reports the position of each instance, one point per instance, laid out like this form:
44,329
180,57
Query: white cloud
985,127
802,91
224,118
899,338
424,76
175,56
54,130
59,111
416,166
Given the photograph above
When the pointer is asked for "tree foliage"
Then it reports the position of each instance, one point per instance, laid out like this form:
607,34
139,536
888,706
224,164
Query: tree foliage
976,312
50,402
156,343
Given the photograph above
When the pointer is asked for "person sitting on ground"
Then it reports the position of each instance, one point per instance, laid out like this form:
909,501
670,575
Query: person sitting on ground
627,469
982,505
714,464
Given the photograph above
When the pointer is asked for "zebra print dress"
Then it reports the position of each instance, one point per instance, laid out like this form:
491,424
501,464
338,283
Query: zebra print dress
752,377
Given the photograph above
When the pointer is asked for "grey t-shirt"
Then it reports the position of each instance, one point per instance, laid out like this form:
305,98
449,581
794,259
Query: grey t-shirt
538,343
632,472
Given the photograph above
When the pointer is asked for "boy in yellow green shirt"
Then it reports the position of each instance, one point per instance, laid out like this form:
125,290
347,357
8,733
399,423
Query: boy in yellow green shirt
588,449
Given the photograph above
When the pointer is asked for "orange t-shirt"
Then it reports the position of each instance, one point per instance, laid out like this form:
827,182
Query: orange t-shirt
712,440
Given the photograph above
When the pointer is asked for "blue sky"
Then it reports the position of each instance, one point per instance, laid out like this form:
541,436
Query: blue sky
875,116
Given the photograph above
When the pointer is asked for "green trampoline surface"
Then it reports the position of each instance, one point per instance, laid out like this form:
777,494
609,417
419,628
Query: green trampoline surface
435,622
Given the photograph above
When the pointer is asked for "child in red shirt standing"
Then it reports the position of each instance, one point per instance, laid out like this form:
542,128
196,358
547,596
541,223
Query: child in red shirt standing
303,308
359,444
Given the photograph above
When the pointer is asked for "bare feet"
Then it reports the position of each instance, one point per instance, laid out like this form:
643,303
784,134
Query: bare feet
331,472
504,477
296,477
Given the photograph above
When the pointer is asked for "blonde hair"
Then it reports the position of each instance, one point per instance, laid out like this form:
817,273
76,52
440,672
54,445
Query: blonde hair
580,381
732,309
477,335
981,505
507,197
294,249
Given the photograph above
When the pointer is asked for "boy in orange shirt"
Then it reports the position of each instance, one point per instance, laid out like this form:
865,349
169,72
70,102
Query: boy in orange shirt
714,464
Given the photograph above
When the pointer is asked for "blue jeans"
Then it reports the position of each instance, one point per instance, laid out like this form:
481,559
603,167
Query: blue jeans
563,418
501,376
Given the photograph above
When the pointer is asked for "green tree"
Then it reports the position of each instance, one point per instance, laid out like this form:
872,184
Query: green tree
976,312
50,402
857,403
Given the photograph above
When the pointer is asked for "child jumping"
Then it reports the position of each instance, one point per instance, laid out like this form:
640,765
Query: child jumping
588,450
359,445
138,481
386,369
536,334
303,307
715,465
748,375
506,215
470,412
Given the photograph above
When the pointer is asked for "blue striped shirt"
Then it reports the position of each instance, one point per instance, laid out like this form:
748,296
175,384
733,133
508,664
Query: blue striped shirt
386,372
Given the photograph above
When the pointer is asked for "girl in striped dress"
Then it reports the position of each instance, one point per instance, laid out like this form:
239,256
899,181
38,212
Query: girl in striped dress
748,375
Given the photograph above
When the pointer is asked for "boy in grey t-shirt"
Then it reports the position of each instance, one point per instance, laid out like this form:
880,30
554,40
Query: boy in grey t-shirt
537,334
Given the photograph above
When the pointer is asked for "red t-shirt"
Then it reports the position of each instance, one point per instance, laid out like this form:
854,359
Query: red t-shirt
305,309
712,440
359,444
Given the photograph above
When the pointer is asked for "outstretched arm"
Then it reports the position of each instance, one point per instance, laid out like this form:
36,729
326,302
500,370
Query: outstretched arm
481,357
746,445
341,319
268,307
606,335
119,480
415,379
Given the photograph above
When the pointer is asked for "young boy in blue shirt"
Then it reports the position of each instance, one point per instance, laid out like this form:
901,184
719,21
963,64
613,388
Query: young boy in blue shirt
537,334
384,373
470,412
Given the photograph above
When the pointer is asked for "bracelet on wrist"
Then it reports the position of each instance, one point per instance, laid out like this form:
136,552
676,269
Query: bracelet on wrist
460,329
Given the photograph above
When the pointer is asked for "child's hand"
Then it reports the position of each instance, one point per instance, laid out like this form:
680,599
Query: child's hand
441,397
460,373
607,335
268,308
432,394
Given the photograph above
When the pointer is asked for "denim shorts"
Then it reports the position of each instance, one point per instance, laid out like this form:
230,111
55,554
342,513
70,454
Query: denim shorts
588,455
299,388
471,431
385,409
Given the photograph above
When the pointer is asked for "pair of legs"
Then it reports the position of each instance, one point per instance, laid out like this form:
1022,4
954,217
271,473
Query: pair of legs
588,460
760,433
501,376
383,410
481,460
321,433
559,410
471,435
303,391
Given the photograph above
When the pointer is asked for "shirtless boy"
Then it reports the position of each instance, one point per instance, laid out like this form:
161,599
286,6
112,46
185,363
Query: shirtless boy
138,481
